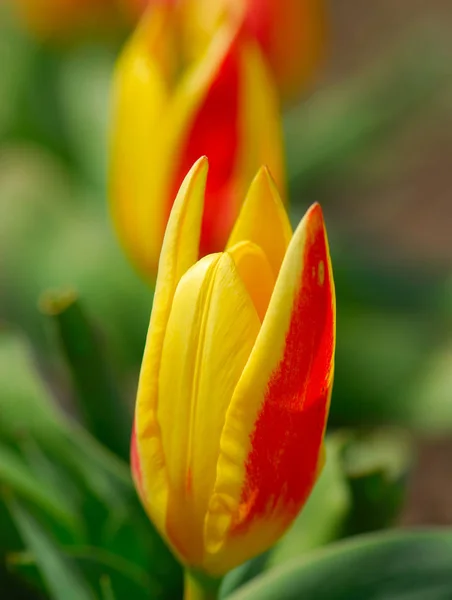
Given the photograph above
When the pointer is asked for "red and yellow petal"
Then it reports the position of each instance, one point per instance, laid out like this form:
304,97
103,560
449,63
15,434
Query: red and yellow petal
211,129
179,253
290,33
226,109
272,438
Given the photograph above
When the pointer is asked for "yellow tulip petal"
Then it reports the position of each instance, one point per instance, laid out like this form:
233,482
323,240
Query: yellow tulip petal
256,273
272,439
210,334
140,95
179,253
263,220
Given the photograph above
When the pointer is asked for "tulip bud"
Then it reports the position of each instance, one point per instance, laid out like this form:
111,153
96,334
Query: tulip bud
170,109
236,378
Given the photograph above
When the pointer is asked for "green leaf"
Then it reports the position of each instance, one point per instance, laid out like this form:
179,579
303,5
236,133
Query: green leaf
28,411
376,464
387,566
62,578
101,407
99,568
15,73
114,518
392,354
429,390
85,116
17,478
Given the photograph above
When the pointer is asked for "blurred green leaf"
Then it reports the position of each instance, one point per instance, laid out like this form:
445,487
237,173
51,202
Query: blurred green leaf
376,464
103,486
62,578
14,588
16,477
16,58
387,566
48,215
99,568
243,573
103,410
24,567
385,352
86,115
28,411
430,390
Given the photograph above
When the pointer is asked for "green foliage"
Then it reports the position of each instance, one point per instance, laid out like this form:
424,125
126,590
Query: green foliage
69,497
398,566
61,578
103,411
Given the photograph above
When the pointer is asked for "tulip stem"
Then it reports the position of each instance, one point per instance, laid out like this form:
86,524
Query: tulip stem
200,587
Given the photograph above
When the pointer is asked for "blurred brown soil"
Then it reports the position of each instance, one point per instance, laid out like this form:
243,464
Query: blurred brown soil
408,214
429,495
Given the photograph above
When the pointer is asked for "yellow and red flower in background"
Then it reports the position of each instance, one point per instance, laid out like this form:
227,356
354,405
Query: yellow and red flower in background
170,108
236,378
291,33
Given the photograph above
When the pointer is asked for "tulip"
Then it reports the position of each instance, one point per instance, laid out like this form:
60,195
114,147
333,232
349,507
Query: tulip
236,378
170,109
291,33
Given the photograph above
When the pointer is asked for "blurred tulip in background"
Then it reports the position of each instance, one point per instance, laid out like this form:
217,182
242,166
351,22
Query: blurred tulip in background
291,34
170,108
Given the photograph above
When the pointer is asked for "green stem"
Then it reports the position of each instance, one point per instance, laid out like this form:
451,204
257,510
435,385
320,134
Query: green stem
200,587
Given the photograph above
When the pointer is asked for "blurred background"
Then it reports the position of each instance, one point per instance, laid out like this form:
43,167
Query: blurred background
371,140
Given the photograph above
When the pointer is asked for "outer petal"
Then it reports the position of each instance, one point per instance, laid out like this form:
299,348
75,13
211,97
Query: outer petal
263,220
210,333
272,439
141,90
179,253
246,135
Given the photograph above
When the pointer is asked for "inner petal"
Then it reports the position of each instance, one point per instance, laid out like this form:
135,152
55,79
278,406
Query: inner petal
255,272
211,331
